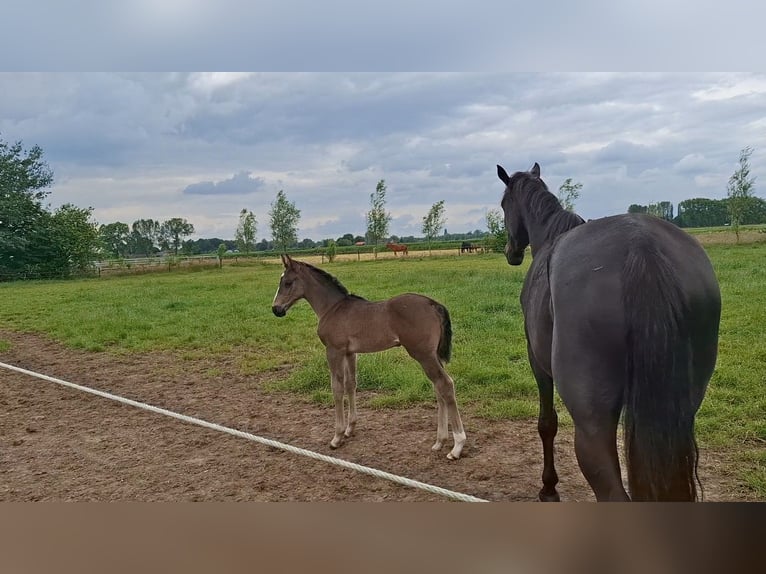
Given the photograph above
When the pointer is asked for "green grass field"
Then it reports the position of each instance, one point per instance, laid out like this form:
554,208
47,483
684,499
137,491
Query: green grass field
214,311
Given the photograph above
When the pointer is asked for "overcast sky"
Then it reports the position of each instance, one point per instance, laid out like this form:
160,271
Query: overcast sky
202,146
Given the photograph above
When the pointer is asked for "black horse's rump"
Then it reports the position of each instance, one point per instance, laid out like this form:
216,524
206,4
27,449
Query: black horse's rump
622,313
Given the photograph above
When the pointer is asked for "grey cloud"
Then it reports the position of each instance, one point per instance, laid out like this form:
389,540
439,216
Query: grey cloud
239,184
326,139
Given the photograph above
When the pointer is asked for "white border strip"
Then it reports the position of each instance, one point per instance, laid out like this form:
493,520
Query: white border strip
268,442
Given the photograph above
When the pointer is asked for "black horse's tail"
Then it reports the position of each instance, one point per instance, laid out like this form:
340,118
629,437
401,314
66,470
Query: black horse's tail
660,447
445,341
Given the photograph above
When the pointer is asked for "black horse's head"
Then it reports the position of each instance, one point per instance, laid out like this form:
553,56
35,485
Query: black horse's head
518,237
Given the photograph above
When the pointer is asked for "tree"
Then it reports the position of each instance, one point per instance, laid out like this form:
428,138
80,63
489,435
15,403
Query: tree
569,193
755,212
740,190
378,218
75,239
245,235
345,240
172,230
24,233
331,250
661,209
144,236
635,208
702,212
283,220
221,251
433,222
24,172
115,238
498,236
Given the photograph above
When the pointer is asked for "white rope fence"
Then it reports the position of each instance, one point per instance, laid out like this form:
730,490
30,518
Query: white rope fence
265,441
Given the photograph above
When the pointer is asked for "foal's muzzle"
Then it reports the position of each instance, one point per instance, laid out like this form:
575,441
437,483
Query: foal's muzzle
279,310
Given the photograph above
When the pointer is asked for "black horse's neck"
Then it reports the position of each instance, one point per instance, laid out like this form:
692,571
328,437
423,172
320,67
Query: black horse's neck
544,217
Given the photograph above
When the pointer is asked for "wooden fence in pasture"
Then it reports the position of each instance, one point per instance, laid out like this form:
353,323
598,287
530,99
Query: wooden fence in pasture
148,264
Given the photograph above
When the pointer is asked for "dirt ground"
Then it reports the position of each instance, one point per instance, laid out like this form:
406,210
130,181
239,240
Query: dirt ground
59,444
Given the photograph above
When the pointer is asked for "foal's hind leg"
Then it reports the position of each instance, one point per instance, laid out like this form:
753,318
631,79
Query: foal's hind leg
349,383
446,405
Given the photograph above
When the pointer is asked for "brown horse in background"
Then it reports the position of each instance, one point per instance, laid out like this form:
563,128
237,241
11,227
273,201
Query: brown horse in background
349,324
397,248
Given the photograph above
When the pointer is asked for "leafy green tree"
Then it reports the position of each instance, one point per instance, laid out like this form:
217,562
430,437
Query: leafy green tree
635,208
245,235
755,212
662,209
569,192
740,190
702,212
115,238
433,222
221,251
331,251
144,237
75,239
23,172
172,230
498,236
283,220
24,236
378,219
345,240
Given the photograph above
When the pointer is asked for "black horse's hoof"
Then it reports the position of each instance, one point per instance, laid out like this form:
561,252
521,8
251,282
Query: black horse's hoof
544,497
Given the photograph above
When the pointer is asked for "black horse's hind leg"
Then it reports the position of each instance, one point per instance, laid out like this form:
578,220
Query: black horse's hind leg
547,426
596,449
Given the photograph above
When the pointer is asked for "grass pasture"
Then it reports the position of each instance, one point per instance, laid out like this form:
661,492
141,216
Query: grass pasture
222,311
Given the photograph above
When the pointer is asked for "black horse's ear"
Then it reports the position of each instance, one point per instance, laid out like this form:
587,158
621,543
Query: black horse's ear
286,261
535,171
502,175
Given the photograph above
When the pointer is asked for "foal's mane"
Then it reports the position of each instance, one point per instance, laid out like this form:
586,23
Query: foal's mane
542,206
328,279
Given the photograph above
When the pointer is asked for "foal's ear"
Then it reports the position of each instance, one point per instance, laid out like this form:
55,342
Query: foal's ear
286,261
535,171
502,175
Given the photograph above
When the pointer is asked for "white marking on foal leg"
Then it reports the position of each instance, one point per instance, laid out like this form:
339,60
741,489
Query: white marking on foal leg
458,448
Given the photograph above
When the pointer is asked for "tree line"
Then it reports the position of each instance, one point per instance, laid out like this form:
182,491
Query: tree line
37,242
740,206
704,212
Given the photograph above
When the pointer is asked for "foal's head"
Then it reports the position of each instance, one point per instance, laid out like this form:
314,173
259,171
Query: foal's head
518,236
291,287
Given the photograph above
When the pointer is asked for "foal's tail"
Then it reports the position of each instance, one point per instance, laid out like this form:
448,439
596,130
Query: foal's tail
445,341
660,447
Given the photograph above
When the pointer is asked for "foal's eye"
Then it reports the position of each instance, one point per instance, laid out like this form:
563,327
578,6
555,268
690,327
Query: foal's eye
288,284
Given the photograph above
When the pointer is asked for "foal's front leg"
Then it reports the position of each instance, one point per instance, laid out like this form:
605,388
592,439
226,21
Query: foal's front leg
350,386
336,361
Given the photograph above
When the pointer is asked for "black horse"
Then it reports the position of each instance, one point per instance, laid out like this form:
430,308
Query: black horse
622,313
